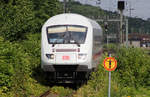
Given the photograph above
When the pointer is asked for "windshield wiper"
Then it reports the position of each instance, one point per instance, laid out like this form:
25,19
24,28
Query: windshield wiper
54,43
75,42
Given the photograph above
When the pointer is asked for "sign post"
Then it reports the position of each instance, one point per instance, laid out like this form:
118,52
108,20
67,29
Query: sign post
109,84
110,64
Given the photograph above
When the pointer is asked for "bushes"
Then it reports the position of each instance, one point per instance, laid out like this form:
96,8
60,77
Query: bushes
129,79
16,63
133,67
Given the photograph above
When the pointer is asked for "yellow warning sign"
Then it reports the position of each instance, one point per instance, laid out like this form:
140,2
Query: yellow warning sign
110,64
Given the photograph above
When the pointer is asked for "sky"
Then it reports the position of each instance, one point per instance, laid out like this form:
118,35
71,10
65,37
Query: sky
141,7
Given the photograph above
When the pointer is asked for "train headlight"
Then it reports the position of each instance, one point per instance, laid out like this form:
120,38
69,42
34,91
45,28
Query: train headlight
82,56
50,56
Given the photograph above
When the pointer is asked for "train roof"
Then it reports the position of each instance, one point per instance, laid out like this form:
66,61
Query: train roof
71,18
94,24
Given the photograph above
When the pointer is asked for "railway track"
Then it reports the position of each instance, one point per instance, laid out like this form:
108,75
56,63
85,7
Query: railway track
45,94
51,93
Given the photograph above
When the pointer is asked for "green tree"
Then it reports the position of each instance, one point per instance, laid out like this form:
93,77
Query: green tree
16,17
25,16
44,10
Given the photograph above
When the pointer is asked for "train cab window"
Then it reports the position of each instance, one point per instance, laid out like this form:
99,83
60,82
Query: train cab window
68,34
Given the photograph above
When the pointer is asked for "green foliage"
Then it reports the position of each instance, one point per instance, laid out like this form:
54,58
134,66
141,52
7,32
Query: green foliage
16,63
86,10
61,91
133,67
25,16
13,61
16,17
33,48
44,10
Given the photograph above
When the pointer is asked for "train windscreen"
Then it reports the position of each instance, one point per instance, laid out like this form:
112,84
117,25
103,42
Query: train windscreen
66,34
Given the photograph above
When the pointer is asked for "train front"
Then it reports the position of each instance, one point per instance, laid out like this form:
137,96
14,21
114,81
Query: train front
66,48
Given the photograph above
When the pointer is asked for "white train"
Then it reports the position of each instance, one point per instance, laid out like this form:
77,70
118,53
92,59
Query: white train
69,46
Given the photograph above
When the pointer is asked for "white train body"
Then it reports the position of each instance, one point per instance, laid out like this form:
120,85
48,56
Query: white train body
69,42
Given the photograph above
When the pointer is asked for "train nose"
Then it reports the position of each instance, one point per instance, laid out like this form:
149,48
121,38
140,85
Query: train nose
66,58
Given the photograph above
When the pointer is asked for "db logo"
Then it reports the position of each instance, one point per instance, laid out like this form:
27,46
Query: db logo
66,58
